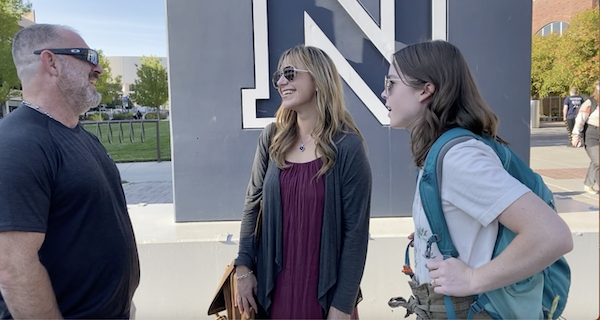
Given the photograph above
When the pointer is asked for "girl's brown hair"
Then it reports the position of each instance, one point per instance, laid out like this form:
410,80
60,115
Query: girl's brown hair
456,101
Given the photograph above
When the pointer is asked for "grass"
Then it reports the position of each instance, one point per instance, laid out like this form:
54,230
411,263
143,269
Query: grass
136,151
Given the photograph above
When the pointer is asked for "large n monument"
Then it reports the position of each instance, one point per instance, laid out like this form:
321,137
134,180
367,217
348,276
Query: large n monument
222,53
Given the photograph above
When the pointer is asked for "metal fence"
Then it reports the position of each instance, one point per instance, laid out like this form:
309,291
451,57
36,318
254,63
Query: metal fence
551,109
124,129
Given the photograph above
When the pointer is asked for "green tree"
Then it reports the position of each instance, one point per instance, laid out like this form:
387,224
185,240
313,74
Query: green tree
561,62
11,12
580,51
543,57
109,87
151,85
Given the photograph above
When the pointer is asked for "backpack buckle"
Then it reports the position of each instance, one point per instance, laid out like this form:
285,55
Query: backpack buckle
434,238
476,307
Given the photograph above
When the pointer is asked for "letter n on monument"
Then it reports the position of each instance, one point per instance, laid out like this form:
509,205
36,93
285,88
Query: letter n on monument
221,56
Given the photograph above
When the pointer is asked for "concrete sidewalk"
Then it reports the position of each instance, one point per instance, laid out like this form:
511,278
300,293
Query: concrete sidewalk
147,182
562,167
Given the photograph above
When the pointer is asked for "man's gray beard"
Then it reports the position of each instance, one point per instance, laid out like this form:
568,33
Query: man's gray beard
82,104
92,103
79,97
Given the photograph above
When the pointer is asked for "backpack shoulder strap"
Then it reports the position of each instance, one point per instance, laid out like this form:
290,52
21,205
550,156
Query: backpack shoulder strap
430,186
594,104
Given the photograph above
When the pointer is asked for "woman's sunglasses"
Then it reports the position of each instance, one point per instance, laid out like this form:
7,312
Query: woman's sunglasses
84,54
288,72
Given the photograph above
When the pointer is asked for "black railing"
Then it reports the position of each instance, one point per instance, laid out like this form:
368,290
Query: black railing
108,125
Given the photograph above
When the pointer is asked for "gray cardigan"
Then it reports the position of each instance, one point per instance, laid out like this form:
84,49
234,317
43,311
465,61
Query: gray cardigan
345,230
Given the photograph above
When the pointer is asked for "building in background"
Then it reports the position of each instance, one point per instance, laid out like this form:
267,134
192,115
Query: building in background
550,16
126,67
27,19
555,15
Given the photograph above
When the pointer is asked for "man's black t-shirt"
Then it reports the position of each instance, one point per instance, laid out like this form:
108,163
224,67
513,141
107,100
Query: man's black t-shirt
573,103
61,182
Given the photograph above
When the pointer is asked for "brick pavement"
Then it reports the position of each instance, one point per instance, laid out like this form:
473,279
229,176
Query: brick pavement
568,173
148,192
565,167
162,191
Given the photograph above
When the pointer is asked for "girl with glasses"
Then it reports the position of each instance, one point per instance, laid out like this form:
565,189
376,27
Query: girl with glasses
430,90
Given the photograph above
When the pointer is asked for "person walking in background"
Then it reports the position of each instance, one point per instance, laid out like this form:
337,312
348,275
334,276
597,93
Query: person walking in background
313,177
67,247
571,107
585,131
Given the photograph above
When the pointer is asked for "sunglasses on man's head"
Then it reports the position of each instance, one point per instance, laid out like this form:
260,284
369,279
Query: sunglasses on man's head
84,54
288,72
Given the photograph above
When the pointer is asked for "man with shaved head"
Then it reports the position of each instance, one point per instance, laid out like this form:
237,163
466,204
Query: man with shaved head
67,247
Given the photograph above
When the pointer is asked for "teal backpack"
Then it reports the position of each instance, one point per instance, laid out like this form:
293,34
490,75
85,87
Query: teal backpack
547,289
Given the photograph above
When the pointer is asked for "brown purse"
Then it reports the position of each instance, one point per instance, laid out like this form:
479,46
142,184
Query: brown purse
225,297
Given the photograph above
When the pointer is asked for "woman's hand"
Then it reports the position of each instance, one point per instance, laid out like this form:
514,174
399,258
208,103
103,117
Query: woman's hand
451,277
337,314
575,140
246,289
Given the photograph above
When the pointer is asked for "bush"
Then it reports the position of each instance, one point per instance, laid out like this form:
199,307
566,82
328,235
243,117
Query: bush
152,116
98,117
123,116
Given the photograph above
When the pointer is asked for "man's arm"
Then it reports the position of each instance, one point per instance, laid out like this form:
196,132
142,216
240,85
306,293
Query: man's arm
24,281
565,109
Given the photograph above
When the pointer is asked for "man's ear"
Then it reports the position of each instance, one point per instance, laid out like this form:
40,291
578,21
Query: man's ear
427,92
49,62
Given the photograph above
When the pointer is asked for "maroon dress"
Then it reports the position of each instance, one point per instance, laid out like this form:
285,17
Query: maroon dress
302,203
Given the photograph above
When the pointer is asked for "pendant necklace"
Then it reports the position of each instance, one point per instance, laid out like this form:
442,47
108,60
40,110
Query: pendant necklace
302,148
37,108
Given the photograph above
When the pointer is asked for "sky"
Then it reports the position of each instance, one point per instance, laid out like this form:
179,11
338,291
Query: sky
117,27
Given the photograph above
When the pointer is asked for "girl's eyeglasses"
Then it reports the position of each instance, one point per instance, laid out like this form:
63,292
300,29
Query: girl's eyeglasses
389,83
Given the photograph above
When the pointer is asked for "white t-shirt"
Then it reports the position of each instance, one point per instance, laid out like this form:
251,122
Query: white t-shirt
475,191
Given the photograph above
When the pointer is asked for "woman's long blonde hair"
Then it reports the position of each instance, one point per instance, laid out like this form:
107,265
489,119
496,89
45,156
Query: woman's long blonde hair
456,101
333,117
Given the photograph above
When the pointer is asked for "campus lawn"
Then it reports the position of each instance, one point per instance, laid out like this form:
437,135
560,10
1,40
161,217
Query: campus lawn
136,151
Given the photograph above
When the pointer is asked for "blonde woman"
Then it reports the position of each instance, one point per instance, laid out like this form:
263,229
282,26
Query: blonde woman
315,185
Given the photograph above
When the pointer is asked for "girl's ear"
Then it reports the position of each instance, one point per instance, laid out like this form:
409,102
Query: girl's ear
427,92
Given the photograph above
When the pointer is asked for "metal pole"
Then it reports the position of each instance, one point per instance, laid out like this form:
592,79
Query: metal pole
535,113
158,140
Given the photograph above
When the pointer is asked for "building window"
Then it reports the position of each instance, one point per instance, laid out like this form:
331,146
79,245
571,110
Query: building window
558,26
